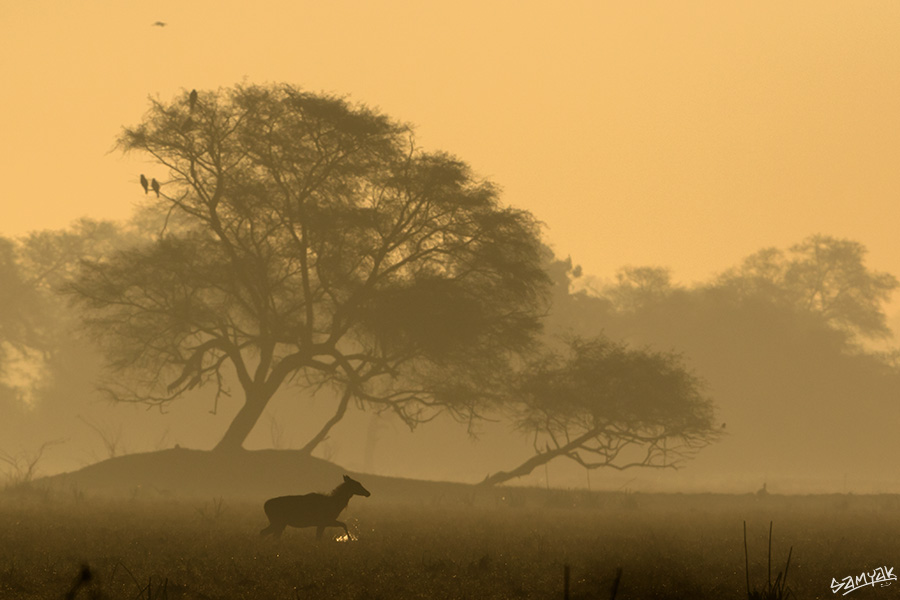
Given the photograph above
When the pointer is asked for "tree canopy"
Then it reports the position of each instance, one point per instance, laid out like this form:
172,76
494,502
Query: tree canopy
32,316
603,404
310,241
21,328
823,275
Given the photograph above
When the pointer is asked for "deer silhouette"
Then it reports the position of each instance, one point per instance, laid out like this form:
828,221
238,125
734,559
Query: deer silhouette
311,510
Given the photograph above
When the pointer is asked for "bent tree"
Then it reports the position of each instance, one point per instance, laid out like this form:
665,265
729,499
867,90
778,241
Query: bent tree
309,241
602,404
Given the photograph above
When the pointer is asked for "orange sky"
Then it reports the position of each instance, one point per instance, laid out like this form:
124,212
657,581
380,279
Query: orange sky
684,134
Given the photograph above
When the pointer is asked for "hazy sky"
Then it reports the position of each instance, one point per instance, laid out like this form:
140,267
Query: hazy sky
685,134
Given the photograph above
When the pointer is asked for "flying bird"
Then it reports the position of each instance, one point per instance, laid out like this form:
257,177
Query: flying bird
144,182
159,24
193,99
155,185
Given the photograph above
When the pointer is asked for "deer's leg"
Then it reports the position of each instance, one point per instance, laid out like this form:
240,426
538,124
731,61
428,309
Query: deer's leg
272,529
344,525
319,531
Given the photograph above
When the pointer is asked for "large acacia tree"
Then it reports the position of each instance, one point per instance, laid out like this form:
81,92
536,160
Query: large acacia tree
307,240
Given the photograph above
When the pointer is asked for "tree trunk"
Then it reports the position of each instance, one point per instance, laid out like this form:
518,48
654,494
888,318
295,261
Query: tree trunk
535,461
323,433
243,423
524,469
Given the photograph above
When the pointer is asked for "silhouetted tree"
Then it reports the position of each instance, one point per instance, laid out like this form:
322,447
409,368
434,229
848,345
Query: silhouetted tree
572,311
637,287
310,241
50,258
602,404
823,275
781,367
21,331
45,370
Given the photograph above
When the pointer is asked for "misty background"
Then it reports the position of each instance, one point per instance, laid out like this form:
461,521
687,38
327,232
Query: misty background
657,168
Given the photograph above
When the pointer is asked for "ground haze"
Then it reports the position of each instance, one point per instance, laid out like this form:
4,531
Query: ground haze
440,542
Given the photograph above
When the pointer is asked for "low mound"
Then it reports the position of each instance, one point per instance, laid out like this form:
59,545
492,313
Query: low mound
184,472
248,475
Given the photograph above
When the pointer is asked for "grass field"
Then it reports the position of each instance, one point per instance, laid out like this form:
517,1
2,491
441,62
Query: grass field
668,546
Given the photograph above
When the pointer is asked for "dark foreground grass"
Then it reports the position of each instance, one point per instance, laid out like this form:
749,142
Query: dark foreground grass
667,546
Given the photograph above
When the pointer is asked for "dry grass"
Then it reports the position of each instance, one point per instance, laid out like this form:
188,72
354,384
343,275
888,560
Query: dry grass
668,547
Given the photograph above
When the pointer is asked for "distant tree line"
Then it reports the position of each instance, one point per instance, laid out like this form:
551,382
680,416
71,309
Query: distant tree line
792,343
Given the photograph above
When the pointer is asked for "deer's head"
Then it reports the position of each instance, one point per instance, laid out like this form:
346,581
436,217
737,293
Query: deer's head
356,487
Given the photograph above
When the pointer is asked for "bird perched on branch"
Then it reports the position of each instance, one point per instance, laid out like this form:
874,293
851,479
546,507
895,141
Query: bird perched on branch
155,185
144,182
193,100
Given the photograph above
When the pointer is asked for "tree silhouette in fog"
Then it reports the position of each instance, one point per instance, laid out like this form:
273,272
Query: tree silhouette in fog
43,365
21,331
32,268
602,404
823,275
310,241
780,341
